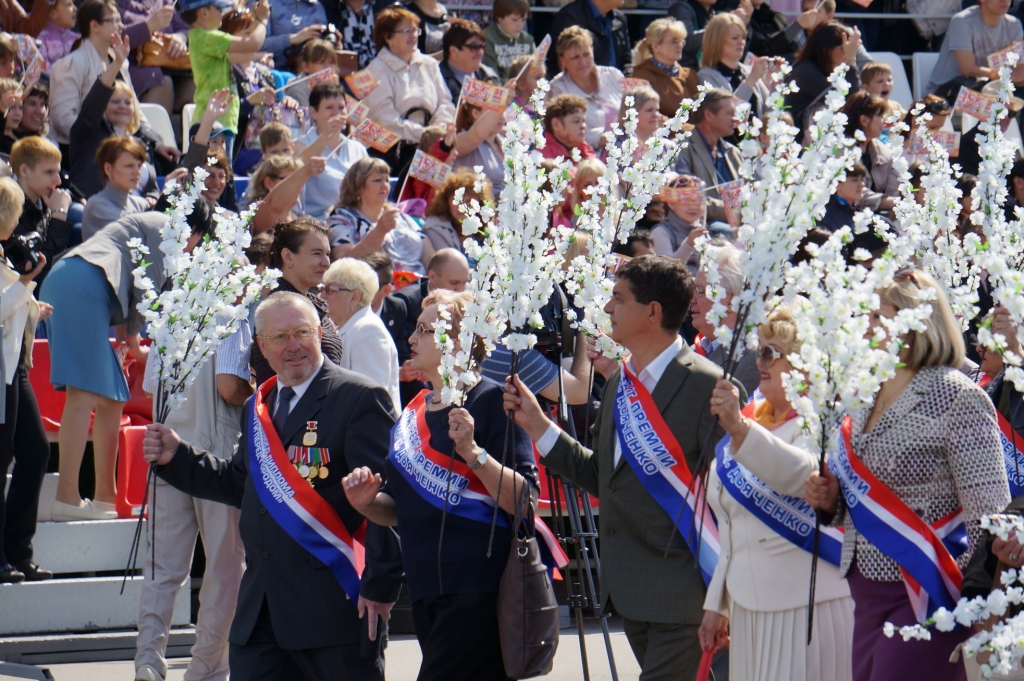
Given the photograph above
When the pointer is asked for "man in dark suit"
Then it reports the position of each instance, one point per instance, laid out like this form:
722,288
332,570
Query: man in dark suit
293,619
448,269
661,599
605,20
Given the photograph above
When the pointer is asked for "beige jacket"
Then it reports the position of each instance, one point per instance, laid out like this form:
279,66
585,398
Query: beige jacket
71,78
404,87
757,568
19,313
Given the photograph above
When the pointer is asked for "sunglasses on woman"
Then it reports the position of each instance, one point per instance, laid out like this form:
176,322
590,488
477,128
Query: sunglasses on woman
766,356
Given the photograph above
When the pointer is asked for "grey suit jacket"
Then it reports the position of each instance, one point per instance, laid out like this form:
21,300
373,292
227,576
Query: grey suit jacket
695,159
636,577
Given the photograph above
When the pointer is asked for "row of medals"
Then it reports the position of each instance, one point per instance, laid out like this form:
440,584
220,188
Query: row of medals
311,471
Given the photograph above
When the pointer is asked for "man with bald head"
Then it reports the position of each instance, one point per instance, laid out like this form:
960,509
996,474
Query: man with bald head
449,270
303,611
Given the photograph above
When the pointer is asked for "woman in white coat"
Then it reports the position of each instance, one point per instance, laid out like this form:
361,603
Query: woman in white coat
758,593
366,345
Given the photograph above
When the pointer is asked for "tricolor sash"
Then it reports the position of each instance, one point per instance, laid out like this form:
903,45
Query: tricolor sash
925,553
426,470
1013,458
790,517
294,504
657,460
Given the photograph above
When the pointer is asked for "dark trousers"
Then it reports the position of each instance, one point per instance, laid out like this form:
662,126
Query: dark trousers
262,659
22,439
670,651
458,635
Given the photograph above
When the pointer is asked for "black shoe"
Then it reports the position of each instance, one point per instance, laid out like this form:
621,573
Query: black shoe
9,575
33,573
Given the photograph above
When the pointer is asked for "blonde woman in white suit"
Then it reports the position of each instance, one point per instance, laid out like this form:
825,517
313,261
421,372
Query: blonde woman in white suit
757,599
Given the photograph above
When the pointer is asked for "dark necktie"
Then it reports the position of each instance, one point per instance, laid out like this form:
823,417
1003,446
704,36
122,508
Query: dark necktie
284,401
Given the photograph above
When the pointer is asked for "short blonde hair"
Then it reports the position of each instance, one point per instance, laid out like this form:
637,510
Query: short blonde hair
580,245
781,323
657,31
574,36
276,166
12,200
355,275
941,343
715,35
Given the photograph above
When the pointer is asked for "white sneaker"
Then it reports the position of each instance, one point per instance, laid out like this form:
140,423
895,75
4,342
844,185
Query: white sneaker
61,512
147,673
103,505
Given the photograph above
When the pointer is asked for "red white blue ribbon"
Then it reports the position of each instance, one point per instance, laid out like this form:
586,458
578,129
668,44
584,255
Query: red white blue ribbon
426,471
289,498
925,553
657,460
790,517
1013,458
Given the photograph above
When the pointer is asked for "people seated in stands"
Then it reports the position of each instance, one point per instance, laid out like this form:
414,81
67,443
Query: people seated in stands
506,39
828,46
605,22
276,140
565,127
411,94
210,50
433,19
144,20
973,35
364,221
656,60
939,111
10,113
638,243
526,84
327,109
35,112
478,143
443,224
283,29
463,50
694,15
109,109
708,156
842,205
354,19
725,42
382,267
969,157
599,86
120,159
772,35
865,114
99,22
876,79
36,163
317,54
268,174
59,35
14,20
685,223
824,11
217,180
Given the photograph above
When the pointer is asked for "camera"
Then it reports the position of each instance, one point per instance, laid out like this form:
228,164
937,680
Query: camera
24,251
330,34
557,332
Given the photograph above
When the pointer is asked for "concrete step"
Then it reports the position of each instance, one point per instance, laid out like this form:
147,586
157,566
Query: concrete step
87,546
46,495
98,647
77,605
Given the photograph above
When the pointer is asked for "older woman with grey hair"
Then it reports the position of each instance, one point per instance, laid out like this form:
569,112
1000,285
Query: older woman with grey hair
367,347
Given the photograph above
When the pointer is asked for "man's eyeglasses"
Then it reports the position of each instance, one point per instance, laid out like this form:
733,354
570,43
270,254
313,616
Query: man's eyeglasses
767,355
302,335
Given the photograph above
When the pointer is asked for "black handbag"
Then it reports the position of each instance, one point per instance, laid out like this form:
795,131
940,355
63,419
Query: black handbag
527,610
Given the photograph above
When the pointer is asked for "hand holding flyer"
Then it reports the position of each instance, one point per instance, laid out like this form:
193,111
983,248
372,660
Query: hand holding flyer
428,169
355,111
371,134
1001,58
975,104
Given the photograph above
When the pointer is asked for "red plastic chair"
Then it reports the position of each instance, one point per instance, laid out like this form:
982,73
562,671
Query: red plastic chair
131,472
51,401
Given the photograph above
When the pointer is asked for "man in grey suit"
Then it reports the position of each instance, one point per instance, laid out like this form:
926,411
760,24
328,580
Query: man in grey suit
708,155
661,599
293,619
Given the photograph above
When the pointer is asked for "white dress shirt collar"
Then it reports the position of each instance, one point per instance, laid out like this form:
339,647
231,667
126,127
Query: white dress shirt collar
653,371
300,389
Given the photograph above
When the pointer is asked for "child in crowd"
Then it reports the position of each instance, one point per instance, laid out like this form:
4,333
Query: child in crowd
276,140
938,110
506,39
876,78
317,55
440,141
10,112
526,85
8,55
565,127
59,34
638,243
210,49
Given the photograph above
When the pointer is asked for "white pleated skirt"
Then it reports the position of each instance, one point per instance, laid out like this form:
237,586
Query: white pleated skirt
769,646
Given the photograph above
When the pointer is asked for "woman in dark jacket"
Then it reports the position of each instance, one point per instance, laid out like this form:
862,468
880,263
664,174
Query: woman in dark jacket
828,46
109,109
302,252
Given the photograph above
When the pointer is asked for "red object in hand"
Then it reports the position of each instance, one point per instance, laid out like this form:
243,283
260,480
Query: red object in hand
704,670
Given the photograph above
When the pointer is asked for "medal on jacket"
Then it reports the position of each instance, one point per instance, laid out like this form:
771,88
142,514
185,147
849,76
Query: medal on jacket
310,462
309,439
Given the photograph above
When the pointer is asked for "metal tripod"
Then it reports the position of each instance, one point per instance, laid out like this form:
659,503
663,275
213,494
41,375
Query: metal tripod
582,534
